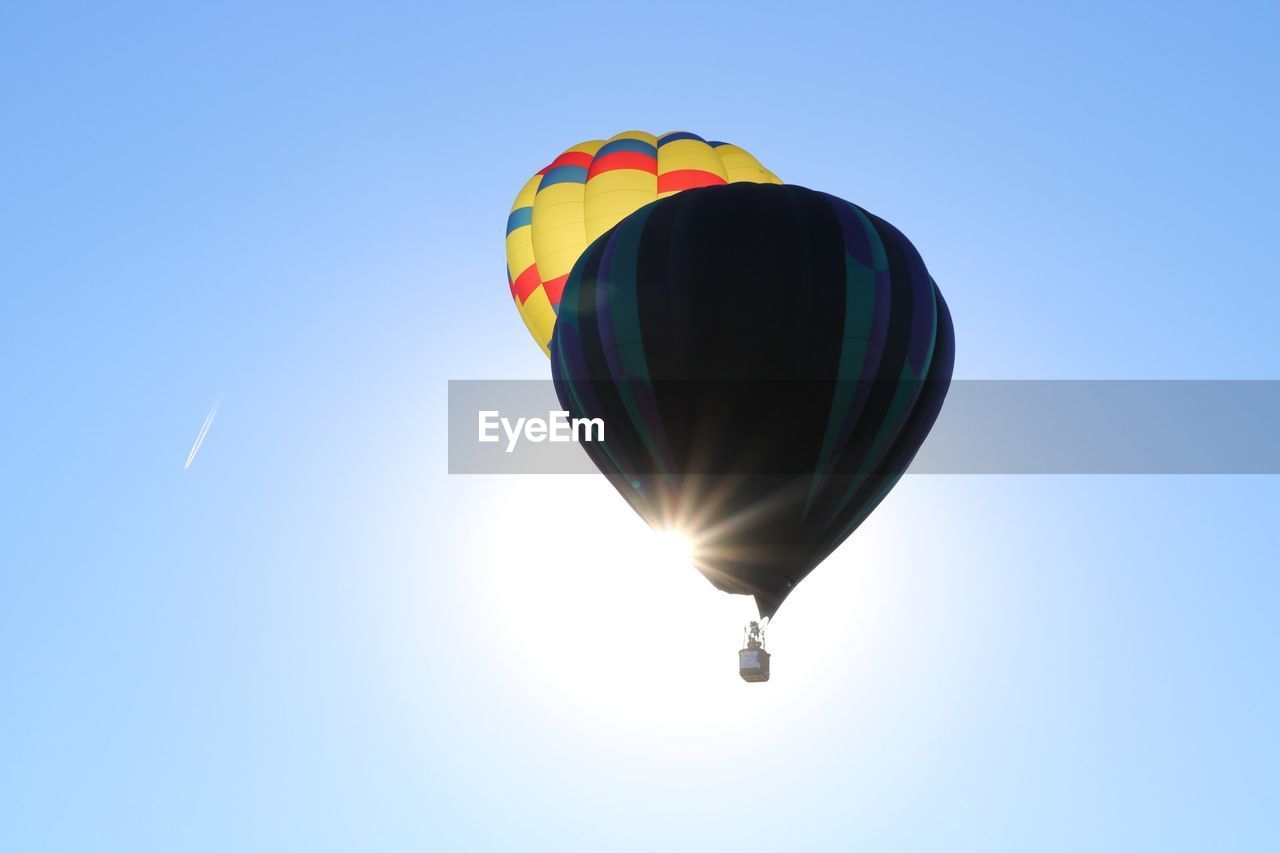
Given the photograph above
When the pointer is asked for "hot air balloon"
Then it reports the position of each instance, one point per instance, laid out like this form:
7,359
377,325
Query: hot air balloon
587,190
767,361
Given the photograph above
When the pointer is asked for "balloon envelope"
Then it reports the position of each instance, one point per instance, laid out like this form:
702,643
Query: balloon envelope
587,190
767,361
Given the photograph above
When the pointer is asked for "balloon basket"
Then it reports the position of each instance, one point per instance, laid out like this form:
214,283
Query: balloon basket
753,665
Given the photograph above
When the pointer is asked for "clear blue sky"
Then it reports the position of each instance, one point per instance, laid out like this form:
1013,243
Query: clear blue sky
300,643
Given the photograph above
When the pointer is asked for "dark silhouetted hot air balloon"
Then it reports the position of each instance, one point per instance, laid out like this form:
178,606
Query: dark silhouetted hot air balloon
766,359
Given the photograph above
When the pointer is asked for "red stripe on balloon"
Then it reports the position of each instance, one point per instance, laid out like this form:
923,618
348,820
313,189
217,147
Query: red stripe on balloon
623,160
571,158
687,179
555,287
526,283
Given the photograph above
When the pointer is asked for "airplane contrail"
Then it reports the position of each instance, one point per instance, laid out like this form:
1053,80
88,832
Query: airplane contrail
204,430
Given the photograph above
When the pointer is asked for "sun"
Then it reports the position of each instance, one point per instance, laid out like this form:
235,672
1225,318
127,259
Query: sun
608,614
600,615
672,548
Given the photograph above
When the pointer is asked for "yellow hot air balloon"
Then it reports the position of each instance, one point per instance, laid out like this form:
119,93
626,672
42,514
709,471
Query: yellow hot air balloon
590,188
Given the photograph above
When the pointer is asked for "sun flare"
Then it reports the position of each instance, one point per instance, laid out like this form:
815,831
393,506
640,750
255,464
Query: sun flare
610,613
597,610
672,547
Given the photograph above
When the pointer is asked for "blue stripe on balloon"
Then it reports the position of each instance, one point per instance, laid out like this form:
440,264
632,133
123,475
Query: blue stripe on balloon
678,135
639,146
563,175
519,218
